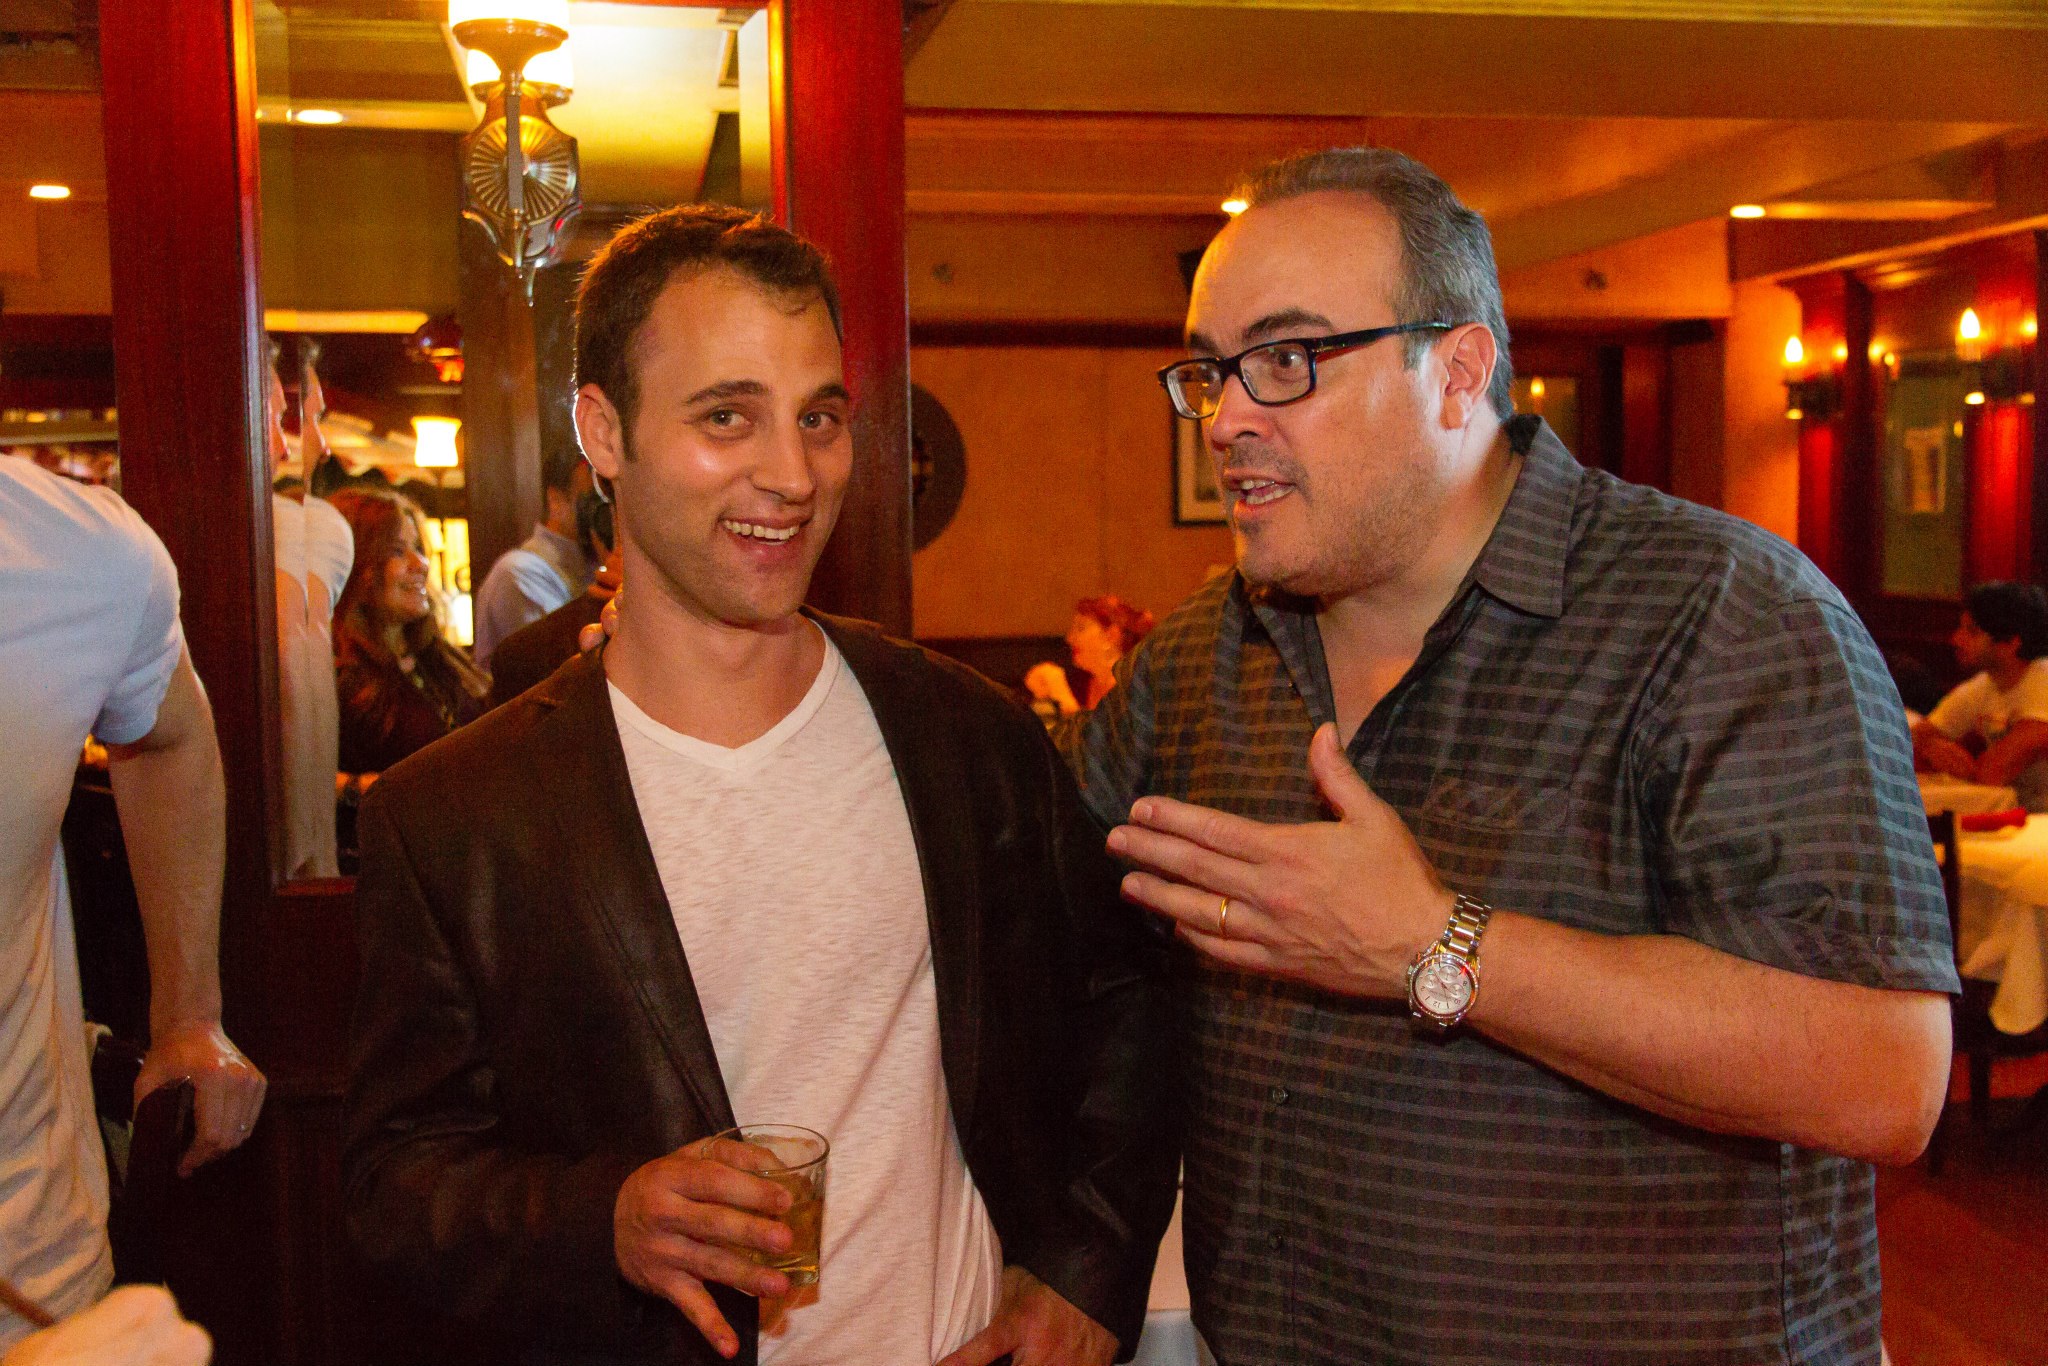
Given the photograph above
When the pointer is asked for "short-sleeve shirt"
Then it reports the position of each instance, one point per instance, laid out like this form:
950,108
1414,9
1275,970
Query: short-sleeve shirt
89,638
1636,716
1978,706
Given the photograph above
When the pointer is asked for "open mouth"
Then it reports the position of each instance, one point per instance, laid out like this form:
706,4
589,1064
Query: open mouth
1251,490
764,532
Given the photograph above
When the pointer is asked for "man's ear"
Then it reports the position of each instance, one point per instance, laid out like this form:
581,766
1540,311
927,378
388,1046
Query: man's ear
1468,354
600,432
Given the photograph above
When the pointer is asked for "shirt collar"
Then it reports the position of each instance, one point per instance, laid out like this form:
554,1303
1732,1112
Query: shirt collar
1524,561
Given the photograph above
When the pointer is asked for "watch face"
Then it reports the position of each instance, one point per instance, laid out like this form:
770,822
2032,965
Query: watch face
1443,986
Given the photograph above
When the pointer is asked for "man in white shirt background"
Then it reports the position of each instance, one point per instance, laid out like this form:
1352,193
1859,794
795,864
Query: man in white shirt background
1993,728
542,572
90,643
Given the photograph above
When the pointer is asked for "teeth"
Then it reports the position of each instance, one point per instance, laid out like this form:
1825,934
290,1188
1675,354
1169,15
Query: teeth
1256,492
758,531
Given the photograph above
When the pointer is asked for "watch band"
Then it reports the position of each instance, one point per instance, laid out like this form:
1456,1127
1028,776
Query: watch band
1468,921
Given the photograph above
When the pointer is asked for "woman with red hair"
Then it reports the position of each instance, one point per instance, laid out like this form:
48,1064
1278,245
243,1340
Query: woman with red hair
1104,630
401,684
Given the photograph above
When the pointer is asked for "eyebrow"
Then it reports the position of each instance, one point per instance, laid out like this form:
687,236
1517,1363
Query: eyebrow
727,388
832,390
1285,321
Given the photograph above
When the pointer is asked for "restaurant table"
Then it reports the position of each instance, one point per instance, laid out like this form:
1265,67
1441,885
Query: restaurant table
2002,931
1939,792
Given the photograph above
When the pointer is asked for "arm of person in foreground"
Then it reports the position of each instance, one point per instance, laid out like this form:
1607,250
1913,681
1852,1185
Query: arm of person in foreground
170,794
136,1325
1661,1021
1075,1291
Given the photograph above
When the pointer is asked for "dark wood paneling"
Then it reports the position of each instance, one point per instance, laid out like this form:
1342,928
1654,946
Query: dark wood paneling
839,83
501,427
181,207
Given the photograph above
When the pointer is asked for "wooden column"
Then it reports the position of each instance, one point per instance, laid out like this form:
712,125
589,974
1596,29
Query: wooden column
2036,453
836,73
179,100
500,405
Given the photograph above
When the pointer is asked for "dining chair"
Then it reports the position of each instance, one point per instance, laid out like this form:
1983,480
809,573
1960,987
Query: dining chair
1977,1040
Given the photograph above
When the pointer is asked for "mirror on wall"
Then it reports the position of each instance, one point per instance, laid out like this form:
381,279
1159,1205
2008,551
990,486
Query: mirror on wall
430,499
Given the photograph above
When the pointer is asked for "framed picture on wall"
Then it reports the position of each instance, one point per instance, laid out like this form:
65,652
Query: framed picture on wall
1197,497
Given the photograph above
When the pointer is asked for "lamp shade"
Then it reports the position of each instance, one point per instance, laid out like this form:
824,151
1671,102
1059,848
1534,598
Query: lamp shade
554,12
554,68
434,442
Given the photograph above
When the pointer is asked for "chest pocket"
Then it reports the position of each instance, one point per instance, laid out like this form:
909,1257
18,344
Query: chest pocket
1508,843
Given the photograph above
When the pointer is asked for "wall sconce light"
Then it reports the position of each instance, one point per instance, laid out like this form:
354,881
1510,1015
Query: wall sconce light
1994,368
1970,336
519,171
434,442
1807,394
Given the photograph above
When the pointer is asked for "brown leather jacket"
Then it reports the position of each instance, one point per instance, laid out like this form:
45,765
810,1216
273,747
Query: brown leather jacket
528,1034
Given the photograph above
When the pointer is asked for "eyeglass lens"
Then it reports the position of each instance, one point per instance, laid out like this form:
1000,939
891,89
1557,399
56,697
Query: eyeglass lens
1279,373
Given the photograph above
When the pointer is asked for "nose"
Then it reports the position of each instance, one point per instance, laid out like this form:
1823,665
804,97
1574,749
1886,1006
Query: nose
785,467
1237,415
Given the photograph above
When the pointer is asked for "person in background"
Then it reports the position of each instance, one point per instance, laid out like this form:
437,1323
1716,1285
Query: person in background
536,650
1104,630
315,550
402,685
90,644
548,569
1993,728
137,1325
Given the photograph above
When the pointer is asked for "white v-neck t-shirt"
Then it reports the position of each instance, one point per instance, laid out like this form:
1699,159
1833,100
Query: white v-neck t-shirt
794,881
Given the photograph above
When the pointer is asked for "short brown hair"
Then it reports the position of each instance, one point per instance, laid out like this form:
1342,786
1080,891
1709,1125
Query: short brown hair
626,277
1447,268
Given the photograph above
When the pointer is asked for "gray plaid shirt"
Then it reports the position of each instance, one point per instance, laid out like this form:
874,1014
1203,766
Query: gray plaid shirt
1637,717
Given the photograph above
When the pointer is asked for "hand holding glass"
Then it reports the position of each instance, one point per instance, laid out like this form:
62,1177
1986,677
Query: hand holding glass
795,1159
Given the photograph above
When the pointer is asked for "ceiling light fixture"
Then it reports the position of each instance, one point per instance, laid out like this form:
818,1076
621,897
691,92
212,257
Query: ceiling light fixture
319,118
49,192
1234,207
1746,211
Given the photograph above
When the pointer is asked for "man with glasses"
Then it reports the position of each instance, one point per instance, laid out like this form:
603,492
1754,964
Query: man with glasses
1560,943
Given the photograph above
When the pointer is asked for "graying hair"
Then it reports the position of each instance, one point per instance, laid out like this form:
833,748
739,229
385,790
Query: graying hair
1447,269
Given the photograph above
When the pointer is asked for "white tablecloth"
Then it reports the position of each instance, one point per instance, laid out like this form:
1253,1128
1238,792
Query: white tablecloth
2003,929
1939,792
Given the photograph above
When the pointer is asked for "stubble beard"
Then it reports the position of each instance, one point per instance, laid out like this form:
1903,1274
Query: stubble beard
1385,535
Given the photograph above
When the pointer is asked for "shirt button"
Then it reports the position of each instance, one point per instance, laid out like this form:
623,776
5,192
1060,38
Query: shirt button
1278,1095
1276,1241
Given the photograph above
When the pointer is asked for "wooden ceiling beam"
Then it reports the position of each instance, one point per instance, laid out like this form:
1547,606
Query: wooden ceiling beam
1776,163
1231,59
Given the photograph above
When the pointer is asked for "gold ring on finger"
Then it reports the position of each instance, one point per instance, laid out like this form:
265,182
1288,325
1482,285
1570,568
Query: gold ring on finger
1223,919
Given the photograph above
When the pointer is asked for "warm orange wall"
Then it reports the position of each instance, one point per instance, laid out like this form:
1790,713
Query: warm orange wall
1068,463
1759,478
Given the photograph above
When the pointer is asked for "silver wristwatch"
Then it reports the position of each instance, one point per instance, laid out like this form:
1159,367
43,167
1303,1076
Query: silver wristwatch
1443,981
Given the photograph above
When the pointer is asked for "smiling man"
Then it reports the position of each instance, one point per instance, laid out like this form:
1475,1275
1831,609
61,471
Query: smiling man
751,864
1572,1036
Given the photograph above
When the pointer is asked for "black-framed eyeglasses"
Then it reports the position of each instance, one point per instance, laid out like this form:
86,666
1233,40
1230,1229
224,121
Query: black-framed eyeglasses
1272,373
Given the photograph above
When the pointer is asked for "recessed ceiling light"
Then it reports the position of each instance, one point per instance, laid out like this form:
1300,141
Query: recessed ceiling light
49,192
1234,207
1746,211
322,117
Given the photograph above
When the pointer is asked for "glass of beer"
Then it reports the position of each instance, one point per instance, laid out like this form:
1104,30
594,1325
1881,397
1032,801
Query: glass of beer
794,1159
